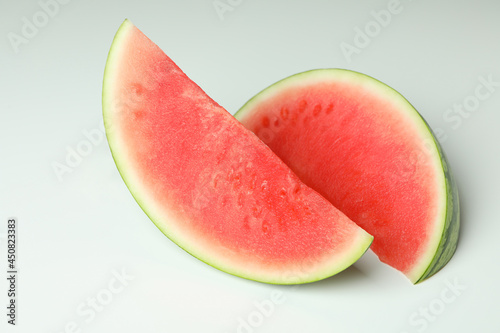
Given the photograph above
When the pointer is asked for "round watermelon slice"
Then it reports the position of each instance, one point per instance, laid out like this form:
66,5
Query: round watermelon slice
365,148
208,183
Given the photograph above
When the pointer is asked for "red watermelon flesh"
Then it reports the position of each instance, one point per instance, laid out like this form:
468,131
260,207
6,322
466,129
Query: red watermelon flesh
362,146
208,183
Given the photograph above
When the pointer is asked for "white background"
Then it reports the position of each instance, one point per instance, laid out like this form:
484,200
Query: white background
81,229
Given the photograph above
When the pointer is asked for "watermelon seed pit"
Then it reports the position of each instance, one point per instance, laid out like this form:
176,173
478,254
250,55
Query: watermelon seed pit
284,113
329,108
256,211
302,106
265,121
138,89
269,128
275,124
317,110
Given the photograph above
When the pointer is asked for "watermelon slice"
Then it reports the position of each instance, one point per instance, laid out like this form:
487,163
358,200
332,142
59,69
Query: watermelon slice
208,183
365,148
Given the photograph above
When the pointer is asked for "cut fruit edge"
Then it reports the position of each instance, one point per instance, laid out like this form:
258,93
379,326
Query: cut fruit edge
443,243
450,231
160,216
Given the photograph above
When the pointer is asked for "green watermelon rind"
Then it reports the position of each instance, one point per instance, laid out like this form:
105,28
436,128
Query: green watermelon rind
282,278
449,240
448,234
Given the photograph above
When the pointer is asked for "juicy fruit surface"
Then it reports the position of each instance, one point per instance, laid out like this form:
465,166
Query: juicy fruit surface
208,183
364,148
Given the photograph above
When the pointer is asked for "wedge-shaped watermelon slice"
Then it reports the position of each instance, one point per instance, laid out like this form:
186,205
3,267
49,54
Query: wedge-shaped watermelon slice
208,183
368,151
